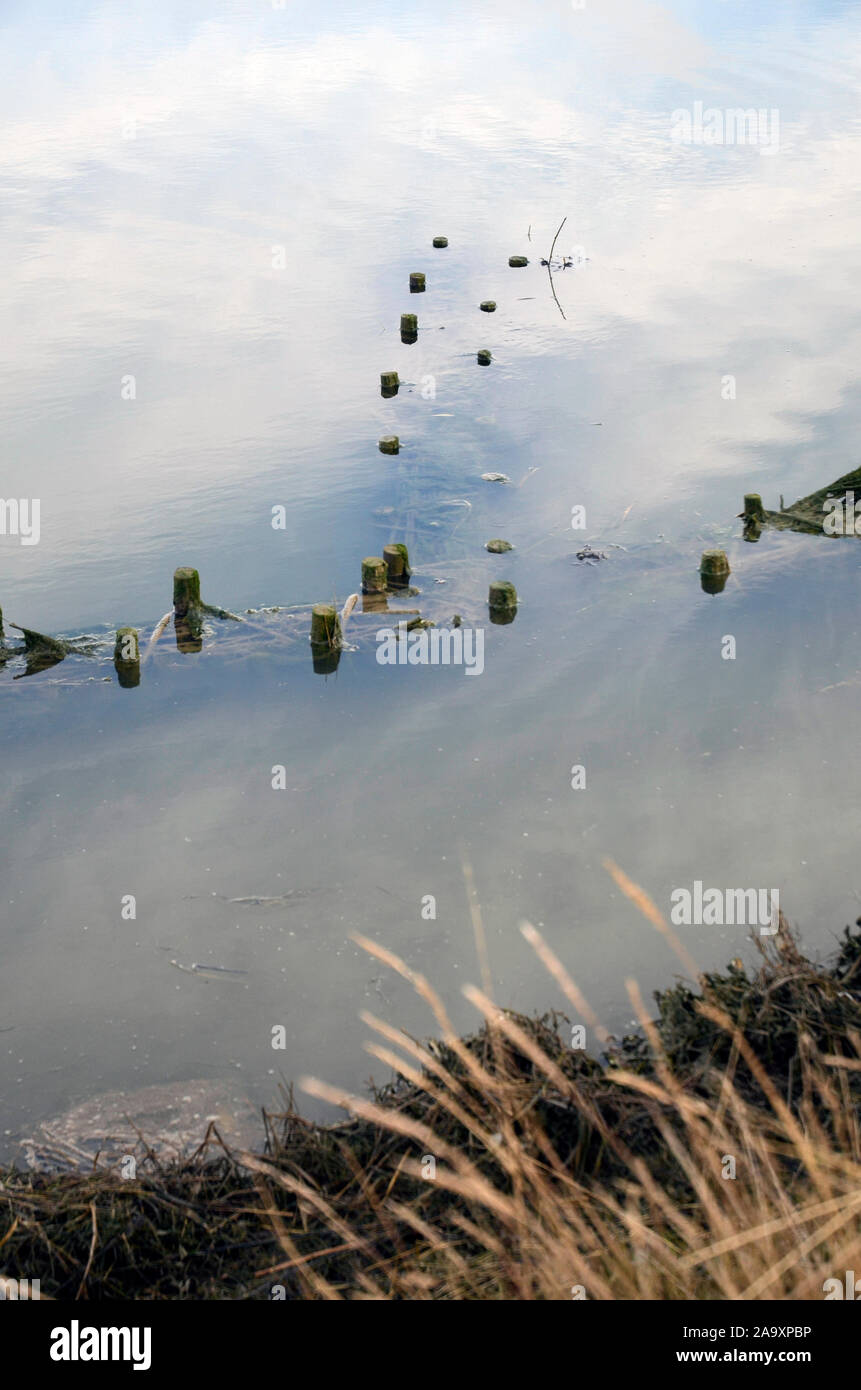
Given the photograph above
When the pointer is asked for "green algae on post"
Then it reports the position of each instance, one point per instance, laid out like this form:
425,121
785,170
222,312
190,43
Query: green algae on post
389,444
417,282
753,508
497,547
186,590
397,565
325,626
374,575
484,357
389,383
517,262
502,597
714,568
488,306
409,328
440,242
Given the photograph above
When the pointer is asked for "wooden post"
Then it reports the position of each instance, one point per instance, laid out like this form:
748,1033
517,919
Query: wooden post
488,306
389,383
440,241
517,261
484,357
417,282
714,568
186,590
127,663
389,444
375,576
502,601
753,508
325,626
397,565
409,328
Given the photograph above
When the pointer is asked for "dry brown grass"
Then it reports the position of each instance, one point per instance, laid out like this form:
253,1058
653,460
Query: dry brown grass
506,1165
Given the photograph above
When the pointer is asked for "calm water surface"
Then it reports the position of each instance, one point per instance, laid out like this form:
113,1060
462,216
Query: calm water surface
224,202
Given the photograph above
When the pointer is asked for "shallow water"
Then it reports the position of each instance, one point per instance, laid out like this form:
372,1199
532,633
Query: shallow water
157,166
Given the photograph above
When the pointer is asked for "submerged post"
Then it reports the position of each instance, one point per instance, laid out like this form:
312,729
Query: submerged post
127,663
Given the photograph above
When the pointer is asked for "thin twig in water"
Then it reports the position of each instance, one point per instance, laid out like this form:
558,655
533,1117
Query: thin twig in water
549,263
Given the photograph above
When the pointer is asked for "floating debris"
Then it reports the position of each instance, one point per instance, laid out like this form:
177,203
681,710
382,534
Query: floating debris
206,970
495,478
590,556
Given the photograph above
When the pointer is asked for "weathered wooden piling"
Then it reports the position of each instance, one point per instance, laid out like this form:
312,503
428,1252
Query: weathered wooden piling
440,241
417,282
488,306
714,569
518,262
325,626
397,565
753,508
409,328
502,597
2,633
127,663
389,444
484,357
389,383
186,590
374,575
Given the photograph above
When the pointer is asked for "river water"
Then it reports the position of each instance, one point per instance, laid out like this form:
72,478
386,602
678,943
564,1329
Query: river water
209,214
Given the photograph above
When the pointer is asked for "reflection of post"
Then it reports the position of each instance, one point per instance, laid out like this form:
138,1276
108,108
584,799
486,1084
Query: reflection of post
127,662
187,614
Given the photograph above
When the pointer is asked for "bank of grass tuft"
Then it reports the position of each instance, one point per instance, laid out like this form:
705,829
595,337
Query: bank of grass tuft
507,1165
